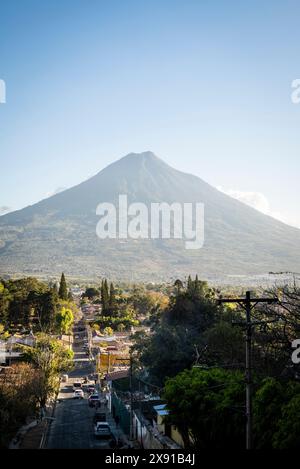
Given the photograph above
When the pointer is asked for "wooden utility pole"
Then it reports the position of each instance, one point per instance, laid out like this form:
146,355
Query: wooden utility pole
248,304
131,396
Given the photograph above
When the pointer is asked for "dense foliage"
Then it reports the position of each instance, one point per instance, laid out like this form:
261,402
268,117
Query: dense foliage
208,411
30,305
195,331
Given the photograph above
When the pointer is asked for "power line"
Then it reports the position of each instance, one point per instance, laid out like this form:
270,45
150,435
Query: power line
248,304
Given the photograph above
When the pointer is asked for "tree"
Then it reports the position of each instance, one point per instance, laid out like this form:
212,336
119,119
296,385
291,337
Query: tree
5,298
202,403
108,331
51,358
189,285
225,343
48,310
177,335
90,293
288,434
18,399
276,410
21,292
64,320
42,309
63,290
179,285
112,301
104,297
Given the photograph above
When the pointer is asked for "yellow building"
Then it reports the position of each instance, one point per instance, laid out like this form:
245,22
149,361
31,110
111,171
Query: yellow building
169,430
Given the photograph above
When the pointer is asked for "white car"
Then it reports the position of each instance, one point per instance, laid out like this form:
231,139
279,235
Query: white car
78,394
77,385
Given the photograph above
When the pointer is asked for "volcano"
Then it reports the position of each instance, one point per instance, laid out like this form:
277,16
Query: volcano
59,233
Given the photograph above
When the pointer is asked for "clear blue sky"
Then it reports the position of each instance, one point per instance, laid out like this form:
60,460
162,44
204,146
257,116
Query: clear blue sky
205,84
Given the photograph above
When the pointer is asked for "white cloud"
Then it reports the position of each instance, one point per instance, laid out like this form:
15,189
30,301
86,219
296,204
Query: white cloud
56,191
260,202
4,209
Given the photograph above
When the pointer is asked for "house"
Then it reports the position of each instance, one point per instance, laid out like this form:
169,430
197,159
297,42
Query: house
164,428
148,433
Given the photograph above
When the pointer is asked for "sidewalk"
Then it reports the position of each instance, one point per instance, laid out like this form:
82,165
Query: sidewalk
32,438
32,435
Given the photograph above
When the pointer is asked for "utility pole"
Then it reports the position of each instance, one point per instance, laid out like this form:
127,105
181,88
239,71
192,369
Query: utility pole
140,409
131,396
248,304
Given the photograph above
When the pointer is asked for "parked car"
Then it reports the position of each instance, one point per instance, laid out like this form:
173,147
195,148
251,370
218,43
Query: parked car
102,430
94,400
78,394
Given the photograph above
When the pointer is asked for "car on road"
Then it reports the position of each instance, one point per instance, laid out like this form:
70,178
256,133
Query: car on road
78,394
94,400
91,389
102,430
77,385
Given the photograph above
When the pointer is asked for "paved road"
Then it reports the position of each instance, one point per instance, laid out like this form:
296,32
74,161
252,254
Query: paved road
73,423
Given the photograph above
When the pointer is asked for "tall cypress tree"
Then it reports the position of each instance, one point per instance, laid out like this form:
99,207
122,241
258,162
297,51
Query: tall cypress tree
101,292
190,286
63,290
48,310
112,300
104,297
197,287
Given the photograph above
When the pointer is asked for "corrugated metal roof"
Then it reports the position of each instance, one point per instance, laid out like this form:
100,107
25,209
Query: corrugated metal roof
161,409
